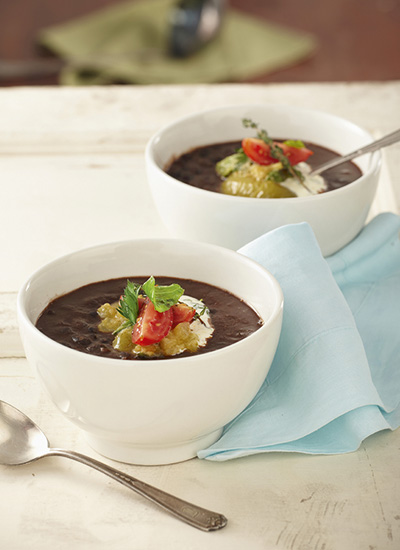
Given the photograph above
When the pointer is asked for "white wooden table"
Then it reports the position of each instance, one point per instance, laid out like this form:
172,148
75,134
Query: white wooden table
71,175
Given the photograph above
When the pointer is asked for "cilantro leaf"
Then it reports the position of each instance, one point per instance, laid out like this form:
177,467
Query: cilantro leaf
129,305
297,143
163,297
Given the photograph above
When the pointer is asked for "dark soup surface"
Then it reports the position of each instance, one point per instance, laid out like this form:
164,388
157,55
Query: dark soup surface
72,319
198,166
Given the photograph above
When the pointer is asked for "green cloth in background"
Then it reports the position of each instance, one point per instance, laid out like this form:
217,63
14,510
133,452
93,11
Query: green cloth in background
128,43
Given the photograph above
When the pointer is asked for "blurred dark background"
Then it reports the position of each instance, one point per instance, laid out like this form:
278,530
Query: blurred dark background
359,40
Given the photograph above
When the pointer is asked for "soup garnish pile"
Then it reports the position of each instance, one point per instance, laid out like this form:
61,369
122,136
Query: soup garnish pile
156,320
261,167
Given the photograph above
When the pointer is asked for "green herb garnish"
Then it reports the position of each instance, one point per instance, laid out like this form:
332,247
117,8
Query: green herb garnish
278,176
232,163
297,143
275,150
200,313
129,305
162,297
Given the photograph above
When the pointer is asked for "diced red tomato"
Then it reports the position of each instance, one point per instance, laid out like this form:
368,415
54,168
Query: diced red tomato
182,313
259,152
151,325
295,154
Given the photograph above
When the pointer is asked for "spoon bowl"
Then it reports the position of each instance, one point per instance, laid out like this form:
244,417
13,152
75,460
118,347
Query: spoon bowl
22,441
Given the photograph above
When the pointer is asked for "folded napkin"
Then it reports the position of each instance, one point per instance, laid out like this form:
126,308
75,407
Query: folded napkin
128,43
335,378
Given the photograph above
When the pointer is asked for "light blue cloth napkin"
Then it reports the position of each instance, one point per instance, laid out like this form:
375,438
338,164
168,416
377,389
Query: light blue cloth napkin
335,378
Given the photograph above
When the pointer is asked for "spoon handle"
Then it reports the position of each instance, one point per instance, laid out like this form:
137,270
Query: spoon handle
190,513
370,148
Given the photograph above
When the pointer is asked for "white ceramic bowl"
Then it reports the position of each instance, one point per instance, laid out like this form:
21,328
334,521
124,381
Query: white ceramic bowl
336,216
153,411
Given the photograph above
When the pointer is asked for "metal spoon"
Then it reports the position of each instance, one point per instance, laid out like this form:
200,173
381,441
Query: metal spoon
370,148
22,441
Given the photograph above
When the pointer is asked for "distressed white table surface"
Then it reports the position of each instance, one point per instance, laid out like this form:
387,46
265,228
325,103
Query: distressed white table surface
72,175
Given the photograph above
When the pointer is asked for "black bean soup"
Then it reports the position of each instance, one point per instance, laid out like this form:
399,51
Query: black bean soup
197,167
72,319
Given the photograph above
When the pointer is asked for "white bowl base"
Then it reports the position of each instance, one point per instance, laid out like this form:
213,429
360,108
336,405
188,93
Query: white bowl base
150,455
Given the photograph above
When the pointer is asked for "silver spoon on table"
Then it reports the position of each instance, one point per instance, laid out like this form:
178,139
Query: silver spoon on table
394,137
22,441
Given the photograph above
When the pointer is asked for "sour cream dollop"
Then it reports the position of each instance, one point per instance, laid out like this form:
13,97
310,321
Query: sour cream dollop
312,184
201,326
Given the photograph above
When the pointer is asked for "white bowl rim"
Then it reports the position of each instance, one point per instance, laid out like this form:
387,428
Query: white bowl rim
376,157
147,362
